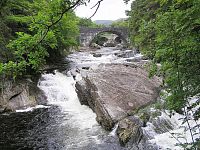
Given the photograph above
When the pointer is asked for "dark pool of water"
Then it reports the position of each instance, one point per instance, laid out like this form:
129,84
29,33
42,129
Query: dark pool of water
41,129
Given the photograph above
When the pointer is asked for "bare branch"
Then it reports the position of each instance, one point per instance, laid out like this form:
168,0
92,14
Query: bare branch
98,5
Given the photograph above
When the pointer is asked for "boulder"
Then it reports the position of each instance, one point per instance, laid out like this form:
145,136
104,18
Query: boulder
114,91
109,44
119,46
129,131
94,45
21,99
19,95
125,54
97,55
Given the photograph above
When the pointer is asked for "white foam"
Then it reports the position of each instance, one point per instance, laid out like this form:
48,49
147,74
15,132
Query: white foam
114,130
60,91
32,108
108,56
179,135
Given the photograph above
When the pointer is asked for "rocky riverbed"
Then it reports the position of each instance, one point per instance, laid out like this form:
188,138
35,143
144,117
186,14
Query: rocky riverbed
116,86
117,108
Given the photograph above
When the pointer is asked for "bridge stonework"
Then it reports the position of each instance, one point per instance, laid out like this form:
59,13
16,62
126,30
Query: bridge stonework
88,34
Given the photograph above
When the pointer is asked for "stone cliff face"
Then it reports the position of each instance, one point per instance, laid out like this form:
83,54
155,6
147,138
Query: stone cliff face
19,95
114,91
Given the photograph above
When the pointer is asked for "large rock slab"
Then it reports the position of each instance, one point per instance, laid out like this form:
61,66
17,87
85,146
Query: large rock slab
113,91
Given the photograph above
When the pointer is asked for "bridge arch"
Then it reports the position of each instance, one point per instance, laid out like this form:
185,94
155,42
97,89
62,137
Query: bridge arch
118,34
88,34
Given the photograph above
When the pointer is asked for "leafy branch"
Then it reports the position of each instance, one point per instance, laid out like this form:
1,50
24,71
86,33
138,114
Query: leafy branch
61,16
30,50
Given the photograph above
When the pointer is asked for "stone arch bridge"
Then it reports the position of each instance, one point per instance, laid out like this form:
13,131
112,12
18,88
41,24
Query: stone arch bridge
88,34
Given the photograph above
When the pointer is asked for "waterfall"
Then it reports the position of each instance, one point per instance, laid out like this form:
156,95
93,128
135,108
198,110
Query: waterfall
60,91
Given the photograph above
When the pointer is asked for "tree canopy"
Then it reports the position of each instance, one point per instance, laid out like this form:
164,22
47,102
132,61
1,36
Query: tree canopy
30,33
85,22
120,23
167,31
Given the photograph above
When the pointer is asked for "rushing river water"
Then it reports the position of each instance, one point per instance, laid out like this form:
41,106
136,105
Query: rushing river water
64,124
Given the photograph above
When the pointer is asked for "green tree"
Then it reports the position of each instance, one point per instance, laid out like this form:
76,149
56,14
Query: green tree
177,48
120,23
142,25
168,32
41,31
85,22
5,32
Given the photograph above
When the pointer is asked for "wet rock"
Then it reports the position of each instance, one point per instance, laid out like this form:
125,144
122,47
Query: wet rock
136,50
119,46
2,109
129,131
125,54
19,95
144,117
112,91
161,125
132,136
94,45
109,44
86,68
97,55
136,59
21,99
74,72
83,94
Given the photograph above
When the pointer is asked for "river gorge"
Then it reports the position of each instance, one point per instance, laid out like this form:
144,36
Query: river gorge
63,123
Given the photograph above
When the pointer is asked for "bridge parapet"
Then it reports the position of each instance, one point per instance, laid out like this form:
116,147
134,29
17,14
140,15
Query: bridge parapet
88,34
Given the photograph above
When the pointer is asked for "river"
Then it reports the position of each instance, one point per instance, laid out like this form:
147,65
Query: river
62,124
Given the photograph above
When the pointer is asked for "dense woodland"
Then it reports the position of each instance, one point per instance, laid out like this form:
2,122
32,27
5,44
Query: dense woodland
166,31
